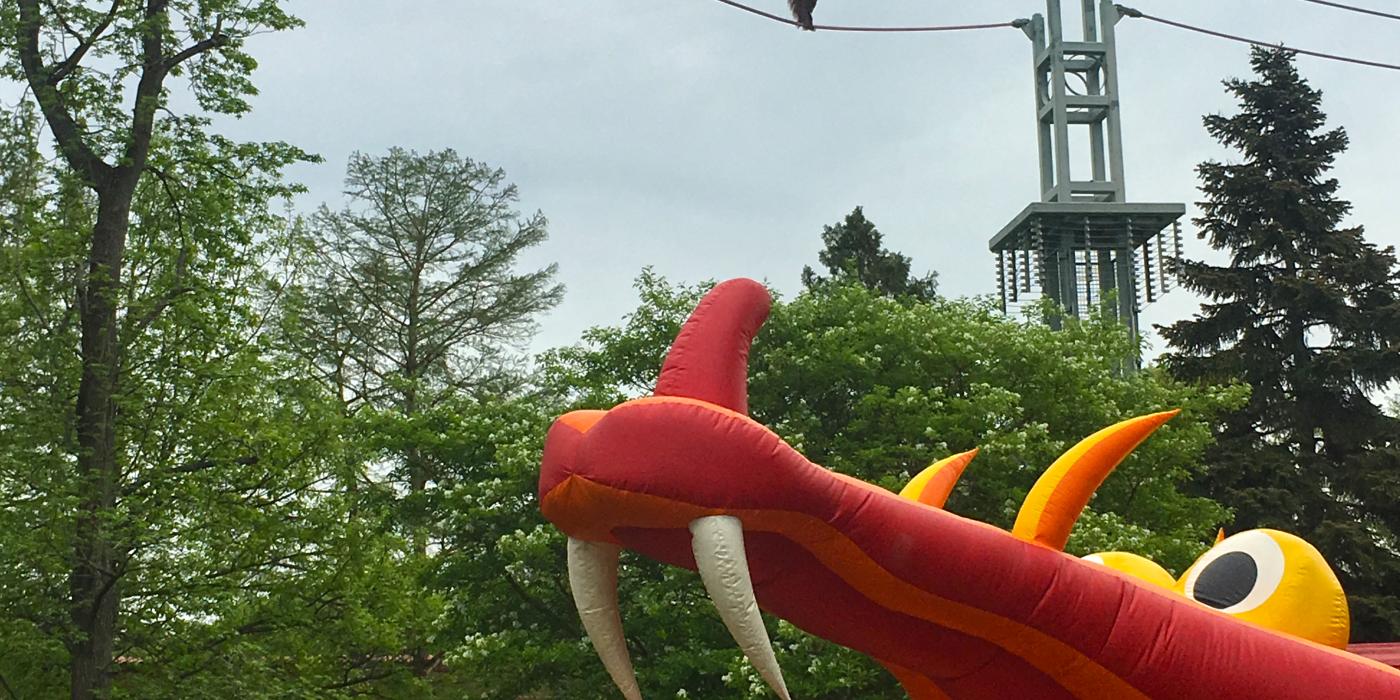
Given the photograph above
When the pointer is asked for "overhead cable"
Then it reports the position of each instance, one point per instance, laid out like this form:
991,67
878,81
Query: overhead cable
1354,8
1017,23
1130,12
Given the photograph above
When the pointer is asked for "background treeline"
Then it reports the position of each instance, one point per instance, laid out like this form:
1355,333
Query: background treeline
249,451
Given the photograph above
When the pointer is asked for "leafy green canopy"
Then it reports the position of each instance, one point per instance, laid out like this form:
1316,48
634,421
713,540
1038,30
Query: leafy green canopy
870,386
1307,313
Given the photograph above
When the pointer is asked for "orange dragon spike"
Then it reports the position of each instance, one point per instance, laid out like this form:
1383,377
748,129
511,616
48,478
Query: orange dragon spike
933,485
1059,496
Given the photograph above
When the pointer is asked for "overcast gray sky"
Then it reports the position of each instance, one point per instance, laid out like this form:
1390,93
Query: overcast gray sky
709,143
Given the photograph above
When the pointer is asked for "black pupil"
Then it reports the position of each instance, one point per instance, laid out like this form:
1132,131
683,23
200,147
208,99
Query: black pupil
1227,580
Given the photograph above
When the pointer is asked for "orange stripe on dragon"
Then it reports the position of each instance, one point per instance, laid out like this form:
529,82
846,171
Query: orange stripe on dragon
954,608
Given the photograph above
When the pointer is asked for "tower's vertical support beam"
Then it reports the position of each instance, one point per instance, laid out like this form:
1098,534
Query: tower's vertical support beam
1039,48
1089,270
1127,280
1058,98
1052,281
1090,21
1093,82
1001,279
1069,275
1107,277
1015,277
1149,272
1164,262
1108,14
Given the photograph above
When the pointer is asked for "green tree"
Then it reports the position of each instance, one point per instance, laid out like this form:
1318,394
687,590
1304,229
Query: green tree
221,519
414,309
99,76
31,611
1307,312
853,251
421,296
867,385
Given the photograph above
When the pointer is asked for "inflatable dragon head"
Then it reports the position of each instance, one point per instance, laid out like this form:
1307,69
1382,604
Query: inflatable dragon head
954,608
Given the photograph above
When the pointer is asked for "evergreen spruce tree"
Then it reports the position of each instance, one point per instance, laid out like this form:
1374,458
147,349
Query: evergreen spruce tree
1308,314
854,251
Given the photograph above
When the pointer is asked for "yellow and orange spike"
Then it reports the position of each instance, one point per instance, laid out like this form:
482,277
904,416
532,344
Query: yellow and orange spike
1059,496
933,485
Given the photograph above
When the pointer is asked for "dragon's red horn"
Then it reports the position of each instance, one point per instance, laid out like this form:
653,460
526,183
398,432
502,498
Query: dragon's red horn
710,358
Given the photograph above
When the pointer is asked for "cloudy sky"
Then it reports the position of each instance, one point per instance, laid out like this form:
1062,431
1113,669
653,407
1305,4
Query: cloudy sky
709,143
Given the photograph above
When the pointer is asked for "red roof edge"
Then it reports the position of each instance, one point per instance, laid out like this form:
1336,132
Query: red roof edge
1387,653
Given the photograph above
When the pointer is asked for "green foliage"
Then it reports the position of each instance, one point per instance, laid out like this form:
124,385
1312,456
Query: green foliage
1308,314
853,252
506,626
37,365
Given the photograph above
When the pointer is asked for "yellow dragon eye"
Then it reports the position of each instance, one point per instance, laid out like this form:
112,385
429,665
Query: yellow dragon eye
1238,575
1275,580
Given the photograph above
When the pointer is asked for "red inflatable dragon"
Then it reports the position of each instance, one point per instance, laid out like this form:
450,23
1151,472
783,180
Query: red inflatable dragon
953,607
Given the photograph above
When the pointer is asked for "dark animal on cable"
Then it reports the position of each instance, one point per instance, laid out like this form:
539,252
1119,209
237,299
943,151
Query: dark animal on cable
802,12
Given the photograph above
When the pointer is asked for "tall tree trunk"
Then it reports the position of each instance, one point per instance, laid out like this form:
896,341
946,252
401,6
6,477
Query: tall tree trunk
416,465
98,553
97,556
413,459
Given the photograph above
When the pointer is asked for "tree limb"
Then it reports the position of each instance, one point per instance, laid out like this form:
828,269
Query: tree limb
369,678
148,89
544,610
203,464
71,143
138,326
8,690
215,41
195,466
63,69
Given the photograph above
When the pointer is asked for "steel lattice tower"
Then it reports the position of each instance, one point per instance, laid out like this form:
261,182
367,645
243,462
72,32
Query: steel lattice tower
1083,243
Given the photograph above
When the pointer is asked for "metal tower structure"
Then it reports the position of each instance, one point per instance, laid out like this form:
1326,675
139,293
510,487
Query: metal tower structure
1083,243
